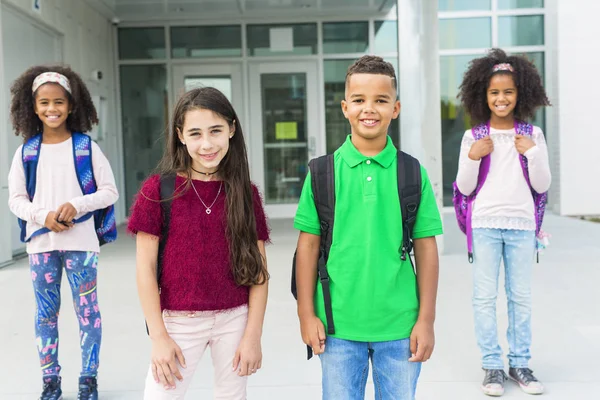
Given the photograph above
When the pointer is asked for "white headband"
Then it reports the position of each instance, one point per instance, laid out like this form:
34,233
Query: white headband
53,77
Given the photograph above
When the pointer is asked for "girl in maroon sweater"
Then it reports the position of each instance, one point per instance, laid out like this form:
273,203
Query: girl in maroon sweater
213,285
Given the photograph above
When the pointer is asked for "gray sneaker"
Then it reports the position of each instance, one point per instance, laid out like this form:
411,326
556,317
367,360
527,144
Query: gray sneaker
526,380
493,383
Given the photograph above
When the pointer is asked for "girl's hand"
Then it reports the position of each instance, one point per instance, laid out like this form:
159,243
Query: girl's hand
66,213
248,357
55,226
164,354
523,143
481,148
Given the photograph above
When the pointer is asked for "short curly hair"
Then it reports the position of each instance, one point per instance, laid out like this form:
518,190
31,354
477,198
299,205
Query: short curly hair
23,117
530,90
372,65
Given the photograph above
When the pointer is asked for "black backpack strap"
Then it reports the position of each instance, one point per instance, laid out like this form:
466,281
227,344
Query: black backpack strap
323,188
409,192
167,189
323,185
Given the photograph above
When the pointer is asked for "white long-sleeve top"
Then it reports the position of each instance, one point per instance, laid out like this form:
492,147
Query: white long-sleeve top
57,184
505,201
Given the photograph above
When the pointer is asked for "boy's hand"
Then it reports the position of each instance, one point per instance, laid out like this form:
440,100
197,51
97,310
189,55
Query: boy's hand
55,226
481,148
523,143
66,213
248,357
422,341
165,354
313,333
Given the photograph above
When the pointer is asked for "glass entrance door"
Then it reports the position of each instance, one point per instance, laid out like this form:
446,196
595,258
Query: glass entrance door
285,125
225,77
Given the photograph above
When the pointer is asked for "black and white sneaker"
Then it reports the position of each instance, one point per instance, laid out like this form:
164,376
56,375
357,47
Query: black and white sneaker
526,380
493,383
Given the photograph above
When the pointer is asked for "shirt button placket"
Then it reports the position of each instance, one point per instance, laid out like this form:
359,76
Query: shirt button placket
369,186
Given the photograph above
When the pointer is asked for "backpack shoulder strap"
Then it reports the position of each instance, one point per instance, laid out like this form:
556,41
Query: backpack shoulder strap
323,186
480,131
82,156
30,154
409,192
167,189
525,129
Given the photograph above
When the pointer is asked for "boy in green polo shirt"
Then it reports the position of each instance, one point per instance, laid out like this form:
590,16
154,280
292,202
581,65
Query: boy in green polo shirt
382,311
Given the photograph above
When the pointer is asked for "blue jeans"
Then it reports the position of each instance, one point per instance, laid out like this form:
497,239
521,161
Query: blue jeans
46,275
516,248
345,367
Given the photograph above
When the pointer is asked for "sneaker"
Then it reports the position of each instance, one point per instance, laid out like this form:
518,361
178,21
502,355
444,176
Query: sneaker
493,383
88,388
52,390
528,383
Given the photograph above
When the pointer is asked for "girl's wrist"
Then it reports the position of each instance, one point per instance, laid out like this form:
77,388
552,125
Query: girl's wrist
253,333
159,335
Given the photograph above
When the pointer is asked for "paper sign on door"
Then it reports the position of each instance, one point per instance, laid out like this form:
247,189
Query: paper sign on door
286,130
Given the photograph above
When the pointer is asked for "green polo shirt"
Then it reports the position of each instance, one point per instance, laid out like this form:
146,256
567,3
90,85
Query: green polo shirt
374,293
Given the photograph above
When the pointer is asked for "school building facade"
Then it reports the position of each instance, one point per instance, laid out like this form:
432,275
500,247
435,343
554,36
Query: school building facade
282,63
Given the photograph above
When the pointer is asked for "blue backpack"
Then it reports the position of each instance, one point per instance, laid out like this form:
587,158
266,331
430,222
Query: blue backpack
104,220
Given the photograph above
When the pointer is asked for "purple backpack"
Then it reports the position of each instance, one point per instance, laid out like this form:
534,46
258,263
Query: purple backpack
463,205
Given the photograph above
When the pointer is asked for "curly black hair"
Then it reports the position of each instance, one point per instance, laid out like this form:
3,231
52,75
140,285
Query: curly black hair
473,91
24,120
372,65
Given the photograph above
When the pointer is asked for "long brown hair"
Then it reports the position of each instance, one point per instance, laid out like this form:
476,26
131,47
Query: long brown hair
247,264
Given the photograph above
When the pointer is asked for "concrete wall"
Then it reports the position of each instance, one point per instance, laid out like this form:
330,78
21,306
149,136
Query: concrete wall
85,41
578,62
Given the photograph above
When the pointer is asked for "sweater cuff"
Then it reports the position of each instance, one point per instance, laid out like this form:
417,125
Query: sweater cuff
532,152
76,202
40,217
470,163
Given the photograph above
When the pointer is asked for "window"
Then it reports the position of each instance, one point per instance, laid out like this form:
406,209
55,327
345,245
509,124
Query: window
268,40
512,4
522,30
144,117
464,5
142,43
345,37
386,37
454,119
465,33
206,41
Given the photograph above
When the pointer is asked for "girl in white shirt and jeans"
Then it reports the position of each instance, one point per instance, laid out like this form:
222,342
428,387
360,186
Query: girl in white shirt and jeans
498,90
54,101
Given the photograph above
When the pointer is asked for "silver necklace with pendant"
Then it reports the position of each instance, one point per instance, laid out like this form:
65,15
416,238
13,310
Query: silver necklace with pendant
208,208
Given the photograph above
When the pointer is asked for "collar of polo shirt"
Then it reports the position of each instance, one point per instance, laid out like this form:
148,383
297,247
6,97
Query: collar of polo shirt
353,157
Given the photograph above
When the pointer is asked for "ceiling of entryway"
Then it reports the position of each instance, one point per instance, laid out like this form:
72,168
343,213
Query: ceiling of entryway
143,10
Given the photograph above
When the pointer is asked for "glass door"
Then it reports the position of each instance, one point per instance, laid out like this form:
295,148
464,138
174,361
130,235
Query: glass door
225,77
285,122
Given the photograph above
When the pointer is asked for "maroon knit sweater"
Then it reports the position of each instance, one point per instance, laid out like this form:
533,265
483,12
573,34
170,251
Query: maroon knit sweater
196,273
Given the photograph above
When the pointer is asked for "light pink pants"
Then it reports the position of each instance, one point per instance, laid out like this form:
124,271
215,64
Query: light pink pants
222,331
